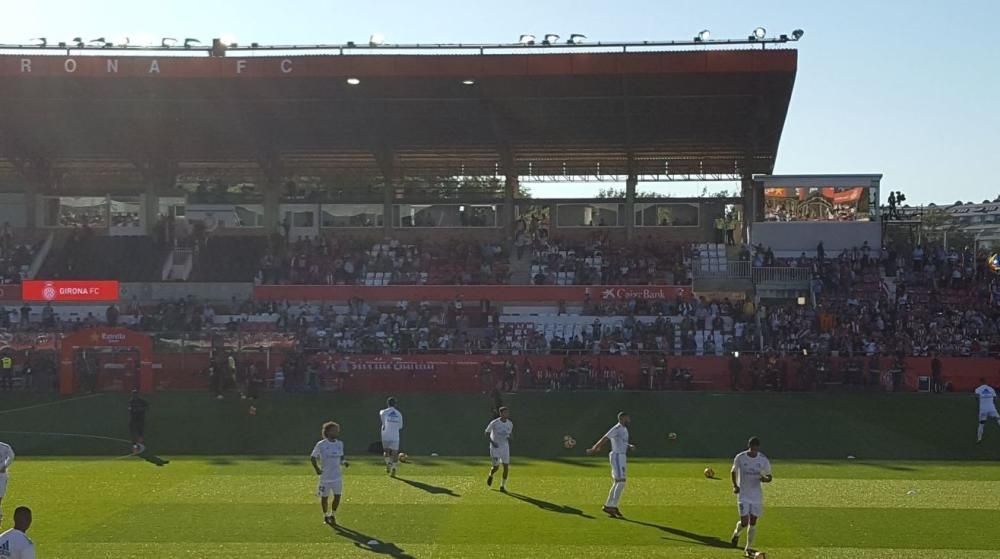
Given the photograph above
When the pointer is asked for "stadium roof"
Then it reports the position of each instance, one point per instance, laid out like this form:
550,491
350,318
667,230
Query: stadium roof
670,115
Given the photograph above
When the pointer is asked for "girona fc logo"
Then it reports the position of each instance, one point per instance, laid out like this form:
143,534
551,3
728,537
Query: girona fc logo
49,291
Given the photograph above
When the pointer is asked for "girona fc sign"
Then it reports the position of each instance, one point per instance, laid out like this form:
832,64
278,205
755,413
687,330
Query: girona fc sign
99,291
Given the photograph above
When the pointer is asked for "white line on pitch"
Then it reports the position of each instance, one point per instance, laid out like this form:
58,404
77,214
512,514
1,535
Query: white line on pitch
47,404
77,435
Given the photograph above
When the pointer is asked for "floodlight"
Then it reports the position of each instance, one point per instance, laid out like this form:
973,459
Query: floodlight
702,36
353,81
527,39
759,33
42,41
376,40
189,42
797,34
550,38
577,39
168,42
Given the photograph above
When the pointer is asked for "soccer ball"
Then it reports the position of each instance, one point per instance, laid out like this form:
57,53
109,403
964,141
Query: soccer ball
672,436
253,410
709,473
569,442
403,457
760,555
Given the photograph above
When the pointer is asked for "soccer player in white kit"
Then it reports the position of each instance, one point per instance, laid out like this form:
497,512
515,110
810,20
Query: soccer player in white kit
499,431
750,469
327,457
6,459
390,423
618,436
14,543
987,407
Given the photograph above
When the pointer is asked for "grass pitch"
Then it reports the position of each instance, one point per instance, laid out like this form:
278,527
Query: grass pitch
222,507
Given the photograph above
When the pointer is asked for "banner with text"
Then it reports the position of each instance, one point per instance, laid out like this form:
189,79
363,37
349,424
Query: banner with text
56,291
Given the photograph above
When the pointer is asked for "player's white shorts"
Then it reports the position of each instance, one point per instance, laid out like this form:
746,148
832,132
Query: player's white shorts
500,455
750,508
3,485
390,444
329,488
618,462
988,414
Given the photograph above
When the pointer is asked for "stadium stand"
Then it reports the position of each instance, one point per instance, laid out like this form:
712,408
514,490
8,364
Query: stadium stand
87,256
222,258
16,256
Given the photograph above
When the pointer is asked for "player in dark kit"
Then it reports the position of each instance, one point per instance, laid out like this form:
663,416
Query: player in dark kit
137,408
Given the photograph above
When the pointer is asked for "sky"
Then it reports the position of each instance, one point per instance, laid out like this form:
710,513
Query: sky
906,88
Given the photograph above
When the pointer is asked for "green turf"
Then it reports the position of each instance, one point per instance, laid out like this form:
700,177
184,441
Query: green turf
264,507
801,426
240,485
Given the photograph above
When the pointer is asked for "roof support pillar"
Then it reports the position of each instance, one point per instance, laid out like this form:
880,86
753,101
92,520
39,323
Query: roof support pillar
274,174
150,206
750,202
388,198
272,205
157,176
39,177
511,187
630,185
31,195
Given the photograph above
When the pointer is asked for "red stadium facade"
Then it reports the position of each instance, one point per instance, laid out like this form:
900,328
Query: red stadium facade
390,185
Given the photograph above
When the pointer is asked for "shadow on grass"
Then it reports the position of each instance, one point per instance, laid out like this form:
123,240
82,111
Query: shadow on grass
547,506
710,541
887,466
154,459
432,489
361,541
579,463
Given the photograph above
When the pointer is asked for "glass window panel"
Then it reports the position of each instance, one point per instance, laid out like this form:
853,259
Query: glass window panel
447,215
352,215
666,215
589,215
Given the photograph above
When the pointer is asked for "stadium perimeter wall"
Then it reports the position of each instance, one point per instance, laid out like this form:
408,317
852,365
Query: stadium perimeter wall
460,373
818,426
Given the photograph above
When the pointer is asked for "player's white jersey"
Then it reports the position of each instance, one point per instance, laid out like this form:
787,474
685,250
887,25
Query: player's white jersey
618,435
987,399
500,431
392,423
748,473
6,457
330,454
15,544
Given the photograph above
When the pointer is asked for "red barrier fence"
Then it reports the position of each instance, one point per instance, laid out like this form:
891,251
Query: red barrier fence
10,292
497,293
